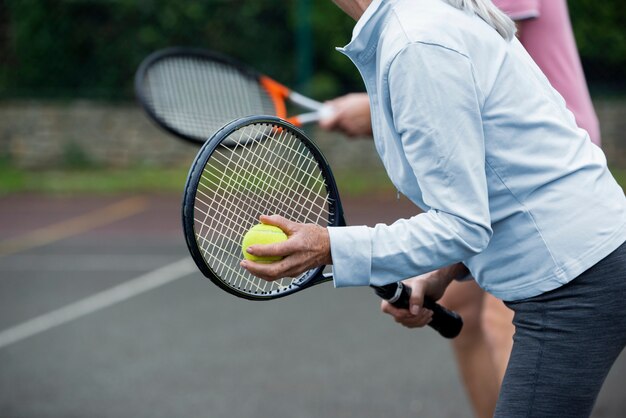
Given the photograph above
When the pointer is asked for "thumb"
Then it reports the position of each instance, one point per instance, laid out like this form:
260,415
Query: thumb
416,300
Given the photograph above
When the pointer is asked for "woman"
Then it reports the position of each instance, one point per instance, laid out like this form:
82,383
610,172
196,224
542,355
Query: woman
460,116
482,349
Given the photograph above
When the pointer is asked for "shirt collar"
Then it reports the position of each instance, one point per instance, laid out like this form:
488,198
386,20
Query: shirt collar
368,27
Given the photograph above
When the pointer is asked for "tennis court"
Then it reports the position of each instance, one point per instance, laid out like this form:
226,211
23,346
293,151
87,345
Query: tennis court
102,314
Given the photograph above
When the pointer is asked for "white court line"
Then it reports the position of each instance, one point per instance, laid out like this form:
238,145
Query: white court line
98,301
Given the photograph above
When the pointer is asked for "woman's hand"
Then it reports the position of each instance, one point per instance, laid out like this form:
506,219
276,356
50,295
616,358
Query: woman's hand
308,246
351,115
431,284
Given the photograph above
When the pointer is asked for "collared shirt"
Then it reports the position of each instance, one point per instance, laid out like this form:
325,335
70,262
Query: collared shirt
471,131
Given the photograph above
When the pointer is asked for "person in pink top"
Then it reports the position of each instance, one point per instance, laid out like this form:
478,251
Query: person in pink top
545,30
482,349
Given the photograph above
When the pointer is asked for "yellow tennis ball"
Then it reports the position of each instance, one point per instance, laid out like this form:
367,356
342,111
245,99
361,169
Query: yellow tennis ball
262,234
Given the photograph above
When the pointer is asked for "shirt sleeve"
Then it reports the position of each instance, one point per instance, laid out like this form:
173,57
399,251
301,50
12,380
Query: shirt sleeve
436,115
519,9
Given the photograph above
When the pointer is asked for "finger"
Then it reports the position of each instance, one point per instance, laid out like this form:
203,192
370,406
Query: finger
266,271
277,249
285,224
388,308
290,266
398,315
418,321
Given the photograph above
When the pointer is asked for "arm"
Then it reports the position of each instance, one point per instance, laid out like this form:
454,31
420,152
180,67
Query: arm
436,106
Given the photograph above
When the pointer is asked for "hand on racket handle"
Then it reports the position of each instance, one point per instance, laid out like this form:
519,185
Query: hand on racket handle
351,115
444,321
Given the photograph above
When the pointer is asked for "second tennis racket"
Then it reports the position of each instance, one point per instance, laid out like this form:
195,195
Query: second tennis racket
192,92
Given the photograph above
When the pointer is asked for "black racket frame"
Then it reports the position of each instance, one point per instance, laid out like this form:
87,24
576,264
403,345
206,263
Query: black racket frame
187,52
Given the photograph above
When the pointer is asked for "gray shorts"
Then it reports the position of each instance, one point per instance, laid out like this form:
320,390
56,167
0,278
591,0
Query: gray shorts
565,342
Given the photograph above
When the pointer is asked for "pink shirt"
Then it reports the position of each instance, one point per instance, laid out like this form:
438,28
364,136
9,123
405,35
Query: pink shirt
547,35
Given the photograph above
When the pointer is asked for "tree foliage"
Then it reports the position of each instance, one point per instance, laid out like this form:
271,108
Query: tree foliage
91,48
600,29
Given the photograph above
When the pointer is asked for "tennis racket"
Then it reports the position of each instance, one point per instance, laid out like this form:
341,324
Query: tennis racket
264,165
193,92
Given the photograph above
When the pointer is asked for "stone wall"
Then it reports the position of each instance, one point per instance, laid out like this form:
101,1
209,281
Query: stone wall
46,135
39,134
612,116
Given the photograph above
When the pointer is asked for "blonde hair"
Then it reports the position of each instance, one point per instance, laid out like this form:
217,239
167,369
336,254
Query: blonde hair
488,12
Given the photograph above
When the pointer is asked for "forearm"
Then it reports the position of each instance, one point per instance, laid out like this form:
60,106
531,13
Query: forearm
409,247
447,275
436,282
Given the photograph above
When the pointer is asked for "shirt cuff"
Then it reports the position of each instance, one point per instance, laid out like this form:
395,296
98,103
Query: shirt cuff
352,255
519,9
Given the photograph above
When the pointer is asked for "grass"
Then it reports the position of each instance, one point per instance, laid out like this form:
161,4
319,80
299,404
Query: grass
145,180
360,182
165,180
92,180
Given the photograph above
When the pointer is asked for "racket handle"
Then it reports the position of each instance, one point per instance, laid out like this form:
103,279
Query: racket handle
324,112
445,322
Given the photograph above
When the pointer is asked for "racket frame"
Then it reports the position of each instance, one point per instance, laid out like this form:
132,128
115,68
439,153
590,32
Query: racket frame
336,216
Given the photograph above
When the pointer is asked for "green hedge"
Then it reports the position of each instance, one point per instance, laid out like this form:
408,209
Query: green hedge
77,48
91,48
600,29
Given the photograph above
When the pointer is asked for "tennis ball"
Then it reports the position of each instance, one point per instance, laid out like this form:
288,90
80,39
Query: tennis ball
262,234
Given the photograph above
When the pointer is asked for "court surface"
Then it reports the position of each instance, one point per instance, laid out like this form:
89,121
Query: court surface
102,314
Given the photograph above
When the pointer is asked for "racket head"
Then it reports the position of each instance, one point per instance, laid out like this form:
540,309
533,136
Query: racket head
193,92
259,165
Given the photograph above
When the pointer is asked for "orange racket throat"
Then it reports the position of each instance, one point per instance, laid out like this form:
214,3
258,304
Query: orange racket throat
277,93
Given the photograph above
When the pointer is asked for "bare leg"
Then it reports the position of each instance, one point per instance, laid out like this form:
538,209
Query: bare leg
498,328
473,353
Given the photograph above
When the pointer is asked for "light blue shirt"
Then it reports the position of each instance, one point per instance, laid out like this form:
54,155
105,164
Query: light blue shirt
471,131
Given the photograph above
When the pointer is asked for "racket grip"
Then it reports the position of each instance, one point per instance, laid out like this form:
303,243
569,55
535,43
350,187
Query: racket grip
447,323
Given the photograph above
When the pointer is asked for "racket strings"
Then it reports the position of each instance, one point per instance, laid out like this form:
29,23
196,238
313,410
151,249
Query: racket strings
299,188
217,243
282,196
301,172
322,211
268,171
309,178
198,96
